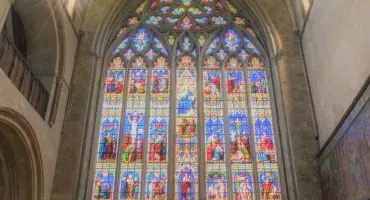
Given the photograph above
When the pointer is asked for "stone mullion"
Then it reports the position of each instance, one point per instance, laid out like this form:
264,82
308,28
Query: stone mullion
202,194
121,134
172,132
251,129
146,133
226,134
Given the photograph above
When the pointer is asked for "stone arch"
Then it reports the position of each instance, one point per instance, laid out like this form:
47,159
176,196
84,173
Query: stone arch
45,33
42,38
277,27
21,158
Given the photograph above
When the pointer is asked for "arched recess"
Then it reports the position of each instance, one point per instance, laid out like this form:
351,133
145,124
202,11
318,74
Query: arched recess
222,27
100,34
21,158
41,36
44,52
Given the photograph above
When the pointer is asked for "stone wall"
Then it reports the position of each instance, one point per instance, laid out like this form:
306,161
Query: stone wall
345,162
336,43
64,42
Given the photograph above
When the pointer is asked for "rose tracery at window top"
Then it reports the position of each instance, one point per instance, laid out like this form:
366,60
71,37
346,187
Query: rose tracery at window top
186,111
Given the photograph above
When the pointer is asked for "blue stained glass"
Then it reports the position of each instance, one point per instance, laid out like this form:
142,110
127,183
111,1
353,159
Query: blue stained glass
156,185
186,103
171,20
158,140
141,39
186,44
153,20
231,40
251,46
219,20
269,184
150,54
222,54
130,185
186,183
133,139
262,126
109,139
258,82
145,54
178,52
215,43
201,20
240,148
214,140
216,185
195,11
265,148
243,185
165,9
234,81
208,9
158,44
178,11
104,185
160,81
243,55
194,52
122,45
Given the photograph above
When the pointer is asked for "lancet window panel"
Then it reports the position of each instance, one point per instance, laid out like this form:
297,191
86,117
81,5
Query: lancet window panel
187,107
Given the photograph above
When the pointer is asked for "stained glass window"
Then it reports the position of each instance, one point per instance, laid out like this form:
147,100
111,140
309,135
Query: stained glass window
187,110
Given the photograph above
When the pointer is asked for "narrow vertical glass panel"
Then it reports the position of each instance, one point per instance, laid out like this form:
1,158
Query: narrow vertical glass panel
105,167
268,178
216,181
133,134
242,179
265,146
186,181
156,182
130,182
156,178
239,132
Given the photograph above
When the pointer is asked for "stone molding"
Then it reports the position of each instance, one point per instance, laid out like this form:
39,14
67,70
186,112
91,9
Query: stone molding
15,121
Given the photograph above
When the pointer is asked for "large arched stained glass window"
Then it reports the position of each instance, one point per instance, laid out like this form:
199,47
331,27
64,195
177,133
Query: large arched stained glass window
187,111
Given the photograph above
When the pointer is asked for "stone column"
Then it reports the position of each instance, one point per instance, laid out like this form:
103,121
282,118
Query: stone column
4,8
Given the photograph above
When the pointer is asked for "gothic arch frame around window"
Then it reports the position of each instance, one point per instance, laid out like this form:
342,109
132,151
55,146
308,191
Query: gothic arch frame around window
22,156
267,65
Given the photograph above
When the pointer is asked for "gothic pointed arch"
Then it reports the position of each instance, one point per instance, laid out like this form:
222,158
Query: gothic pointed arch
187,107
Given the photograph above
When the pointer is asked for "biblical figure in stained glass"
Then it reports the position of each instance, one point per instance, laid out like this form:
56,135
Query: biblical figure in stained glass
234,82
240,150
133,140
159,81
265,148
137,82
186,184
104,185
186,102
156,186
214,139
216,186
108,140
130,186
269,185
188,37
243,187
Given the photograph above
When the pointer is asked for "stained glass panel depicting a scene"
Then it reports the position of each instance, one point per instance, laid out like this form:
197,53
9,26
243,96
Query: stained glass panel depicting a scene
187,111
